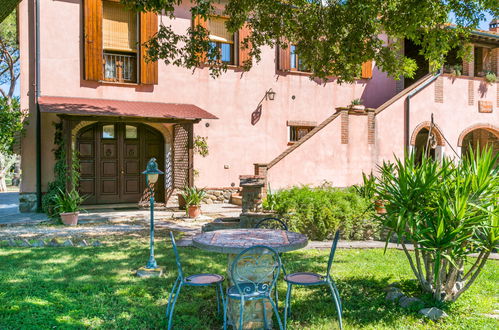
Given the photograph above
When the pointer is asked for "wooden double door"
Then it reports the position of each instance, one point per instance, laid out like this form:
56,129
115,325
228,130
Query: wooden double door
112,158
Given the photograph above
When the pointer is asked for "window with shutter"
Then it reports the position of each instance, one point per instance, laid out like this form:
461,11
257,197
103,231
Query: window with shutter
284,58
244,51
367,70
222,39
112,43
119,39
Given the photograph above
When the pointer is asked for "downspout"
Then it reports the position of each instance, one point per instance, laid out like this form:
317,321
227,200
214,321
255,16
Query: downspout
38,115
408,107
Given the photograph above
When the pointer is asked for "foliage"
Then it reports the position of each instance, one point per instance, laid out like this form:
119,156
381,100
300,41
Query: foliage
490,77
446,211
64,179
193,195
201,145
368,188
36,292
319,212
356,102
333,37
68,202
9,56
11,123
456,69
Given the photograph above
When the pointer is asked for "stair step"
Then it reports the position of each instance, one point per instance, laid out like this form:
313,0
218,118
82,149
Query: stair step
236,199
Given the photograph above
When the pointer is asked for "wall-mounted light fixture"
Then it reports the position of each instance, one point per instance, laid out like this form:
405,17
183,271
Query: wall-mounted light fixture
270,95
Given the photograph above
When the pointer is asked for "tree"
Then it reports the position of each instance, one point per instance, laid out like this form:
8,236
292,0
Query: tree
447,212
334,37
11,117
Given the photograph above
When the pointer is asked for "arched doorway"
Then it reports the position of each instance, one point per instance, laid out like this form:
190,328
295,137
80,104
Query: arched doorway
422,141
479,137
112,158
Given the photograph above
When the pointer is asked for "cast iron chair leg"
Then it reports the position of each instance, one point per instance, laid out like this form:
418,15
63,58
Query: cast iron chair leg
173,307
219,287
276,313
338,308
287,305
264,310
241,313
226,303
337,295
218,299
170,297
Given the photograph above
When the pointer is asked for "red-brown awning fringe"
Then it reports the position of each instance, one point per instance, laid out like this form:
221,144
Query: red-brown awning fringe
115,108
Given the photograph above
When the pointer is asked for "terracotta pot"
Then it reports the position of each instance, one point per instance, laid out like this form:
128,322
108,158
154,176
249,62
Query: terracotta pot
194,211
358,107
379,205
70,219
181,201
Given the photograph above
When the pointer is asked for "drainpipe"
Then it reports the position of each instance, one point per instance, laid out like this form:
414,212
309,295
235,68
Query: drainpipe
38,115
408,107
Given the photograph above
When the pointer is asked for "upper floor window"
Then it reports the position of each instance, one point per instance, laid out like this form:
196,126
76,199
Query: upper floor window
119,39
222,39
295,62
482,61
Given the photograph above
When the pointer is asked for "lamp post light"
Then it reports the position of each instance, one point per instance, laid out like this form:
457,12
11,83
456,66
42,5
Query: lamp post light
152,175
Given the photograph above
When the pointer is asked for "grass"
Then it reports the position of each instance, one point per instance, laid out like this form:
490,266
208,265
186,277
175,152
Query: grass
94,287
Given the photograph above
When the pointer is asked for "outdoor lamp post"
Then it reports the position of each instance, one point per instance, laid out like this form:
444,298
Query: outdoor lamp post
152,175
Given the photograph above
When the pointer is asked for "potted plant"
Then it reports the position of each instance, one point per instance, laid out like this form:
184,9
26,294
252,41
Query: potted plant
68,206
193,197
357,105
490,77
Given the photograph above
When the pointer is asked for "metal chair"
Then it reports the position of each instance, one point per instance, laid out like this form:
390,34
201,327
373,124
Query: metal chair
254,273
310,279
196,280
271,223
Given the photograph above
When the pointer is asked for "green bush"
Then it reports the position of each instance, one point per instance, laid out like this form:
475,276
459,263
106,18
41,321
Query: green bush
319,212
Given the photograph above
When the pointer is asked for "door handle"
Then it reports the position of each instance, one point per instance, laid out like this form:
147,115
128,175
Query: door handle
122,172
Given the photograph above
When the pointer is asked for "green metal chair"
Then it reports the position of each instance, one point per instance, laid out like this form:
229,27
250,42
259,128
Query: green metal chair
254,273
197,280
311,279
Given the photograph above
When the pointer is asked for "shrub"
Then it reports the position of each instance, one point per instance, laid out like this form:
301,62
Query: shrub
319,212
447,211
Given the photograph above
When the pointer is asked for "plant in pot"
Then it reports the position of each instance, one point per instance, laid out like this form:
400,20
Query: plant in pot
357,105
490,77
193,197
68,206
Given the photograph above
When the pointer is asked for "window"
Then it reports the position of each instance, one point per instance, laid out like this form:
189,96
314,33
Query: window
295,62
108,132
482,60
222,39
297,132
130,132
119,39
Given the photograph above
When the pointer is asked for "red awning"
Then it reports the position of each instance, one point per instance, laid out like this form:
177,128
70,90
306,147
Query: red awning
101,107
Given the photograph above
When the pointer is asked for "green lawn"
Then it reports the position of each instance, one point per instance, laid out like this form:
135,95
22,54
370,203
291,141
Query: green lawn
94,287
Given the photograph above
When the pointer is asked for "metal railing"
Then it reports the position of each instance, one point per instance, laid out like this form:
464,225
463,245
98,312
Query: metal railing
120,67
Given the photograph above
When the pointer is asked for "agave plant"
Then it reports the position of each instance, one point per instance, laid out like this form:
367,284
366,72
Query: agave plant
447,211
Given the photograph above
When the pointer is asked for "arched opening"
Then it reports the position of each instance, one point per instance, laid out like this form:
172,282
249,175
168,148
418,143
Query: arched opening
423,146
112,157
480,138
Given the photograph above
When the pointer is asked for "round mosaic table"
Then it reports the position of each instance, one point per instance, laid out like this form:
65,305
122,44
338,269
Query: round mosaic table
234,241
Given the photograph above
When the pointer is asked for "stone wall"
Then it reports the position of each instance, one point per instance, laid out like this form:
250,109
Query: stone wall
219,195
27,202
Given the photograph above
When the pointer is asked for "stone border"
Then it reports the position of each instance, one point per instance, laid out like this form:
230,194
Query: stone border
54,242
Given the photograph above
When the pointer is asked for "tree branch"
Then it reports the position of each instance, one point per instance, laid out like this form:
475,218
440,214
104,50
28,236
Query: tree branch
478,260
474,276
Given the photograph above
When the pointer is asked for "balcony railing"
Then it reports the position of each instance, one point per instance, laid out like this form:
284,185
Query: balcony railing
120,67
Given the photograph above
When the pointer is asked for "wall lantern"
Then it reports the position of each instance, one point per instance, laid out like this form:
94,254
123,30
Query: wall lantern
152,175
270,95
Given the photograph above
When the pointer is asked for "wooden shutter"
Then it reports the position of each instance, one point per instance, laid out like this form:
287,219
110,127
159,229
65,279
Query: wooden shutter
148,28
284,59
93,40
198,20
244,52
367,70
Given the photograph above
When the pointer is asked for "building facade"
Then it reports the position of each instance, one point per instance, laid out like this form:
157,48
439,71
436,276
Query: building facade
85,80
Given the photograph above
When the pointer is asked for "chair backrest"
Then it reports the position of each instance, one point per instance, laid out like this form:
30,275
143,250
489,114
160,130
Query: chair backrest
333,250
255,270
177,257
271,223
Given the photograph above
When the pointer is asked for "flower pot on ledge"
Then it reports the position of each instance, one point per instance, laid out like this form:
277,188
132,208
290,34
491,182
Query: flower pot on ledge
70,218
358,108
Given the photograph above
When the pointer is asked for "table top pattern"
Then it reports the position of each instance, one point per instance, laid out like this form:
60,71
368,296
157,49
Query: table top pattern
234,241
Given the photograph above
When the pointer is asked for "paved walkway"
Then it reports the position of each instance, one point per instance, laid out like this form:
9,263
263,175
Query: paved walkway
9,211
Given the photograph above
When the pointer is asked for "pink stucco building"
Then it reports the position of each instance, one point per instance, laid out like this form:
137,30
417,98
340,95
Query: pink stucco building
83,76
